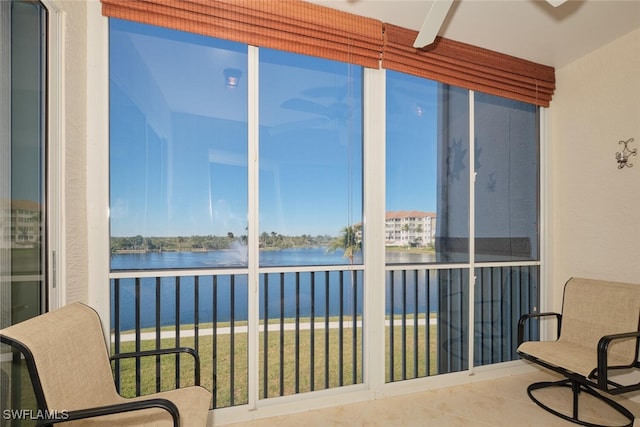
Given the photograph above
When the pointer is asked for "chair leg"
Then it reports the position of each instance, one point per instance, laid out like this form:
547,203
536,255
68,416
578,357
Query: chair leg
576,388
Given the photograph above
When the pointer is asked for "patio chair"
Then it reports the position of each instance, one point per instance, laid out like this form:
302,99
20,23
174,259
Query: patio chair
598,338
70,370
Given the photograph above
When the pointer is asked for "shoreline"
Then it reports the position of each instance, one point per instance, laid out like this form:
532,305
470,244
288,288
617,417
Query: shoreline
126,336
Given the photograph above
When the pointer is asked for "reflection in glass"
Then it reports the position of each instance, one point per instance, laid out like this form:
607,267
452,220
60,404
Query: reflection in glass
506,190
310,160
178,149
427,170
24,202
452,235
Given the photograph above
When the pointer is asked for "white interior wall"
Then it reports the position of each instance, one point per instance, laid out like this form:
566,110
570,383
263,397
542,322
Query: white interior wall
594,228
74,135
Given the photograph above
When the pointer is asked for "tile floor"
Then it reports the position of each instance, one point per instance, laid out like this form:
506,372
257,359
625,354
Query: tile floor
500,402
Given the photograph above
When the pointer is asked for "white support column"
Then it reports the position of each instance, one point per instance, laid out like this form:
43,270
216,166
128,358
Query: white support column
253,225
374,215
97,191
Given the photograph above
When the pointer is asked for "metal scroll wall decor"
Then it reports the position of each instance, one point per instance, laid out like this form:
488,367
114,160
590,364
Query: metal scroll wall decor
623,156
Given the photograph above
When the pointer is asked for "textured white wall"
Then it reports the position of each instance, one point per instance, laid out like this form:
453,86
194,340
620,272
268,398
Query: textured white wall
595,207
75,152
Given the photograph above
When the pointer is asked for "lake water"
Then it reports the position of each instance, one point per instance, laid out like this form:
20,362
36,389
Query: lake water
235,257
237,286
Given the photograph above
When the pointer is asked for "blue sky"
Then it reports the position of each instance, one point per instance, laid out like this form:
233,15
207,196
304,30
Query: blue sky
179,138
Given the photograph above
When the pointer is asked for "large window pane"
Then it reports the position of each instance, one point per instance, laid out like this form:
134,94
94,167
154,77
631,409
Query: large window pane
310,160
178,149
23,196
427,171
506,190
23,188
452,233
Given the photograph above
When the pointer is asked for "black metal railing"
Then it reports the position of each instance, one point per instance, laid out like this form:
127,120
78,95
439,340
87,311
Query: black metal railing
310,331
310,326
323,311
206,312
502,295
429,310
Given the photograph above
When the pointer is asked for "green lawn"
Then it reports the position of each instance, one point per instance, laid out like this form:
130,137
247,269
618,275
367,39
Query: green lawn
326,372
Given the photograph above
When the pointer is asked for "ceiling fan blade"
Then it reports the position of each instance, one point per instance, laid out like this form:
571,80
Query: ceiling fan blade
432,23
556,3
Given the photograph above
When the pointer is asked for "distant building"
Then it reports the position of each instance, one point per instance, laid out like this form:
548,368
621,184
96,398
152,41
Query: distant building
410,228
21,226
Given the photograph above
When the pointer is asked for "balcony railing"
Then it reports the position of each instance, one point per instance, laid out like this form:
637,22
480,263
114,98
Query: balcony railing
310,330
310,325
430,311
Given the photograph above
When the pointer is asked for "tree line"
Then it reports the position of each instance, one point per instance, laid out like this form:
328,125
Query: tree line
271,240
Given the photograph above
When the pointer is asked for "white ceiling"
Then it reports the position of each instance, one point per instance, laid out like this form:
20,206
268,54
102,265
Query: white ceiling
528,29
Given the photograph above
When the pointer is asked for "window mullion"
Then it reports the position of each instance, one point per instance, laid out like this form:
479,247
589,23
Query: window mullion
472,232
374,217
253,227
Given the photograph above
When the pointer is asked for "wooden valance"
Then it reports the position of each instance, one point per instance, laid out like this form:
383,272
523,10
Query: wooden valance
310,29
289,25
468,66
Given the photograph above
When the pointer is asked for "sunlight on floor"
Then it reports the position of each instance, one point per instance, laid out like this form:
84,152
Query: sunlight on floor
500,402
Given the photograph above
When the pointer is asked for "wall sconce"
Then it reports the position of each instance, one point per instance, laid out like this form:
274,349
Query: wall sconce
232,77
623,156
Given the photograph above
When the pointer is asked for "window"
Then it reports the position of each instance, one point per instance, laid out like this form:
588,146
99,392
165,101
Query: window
24,163
178,149
179,138
310,160
27,182
427,146
434,274
506,190
237,215
180,196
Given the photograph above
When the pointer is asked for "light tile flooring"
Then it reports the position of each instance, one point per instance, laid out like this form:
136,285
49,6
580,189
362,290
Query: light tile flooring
500,402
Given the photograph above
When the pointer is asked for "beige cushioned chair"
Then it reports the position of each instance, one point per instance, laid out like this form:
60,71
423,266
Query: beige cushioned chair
70,369
598,335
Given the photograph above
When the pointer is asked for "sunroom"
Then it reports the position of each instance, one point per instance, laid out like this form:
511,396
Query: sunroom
324,212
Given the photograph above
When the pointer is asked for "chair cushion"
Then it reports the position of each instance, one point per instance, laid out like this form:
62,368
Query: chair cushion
595,308
591,310
193,405
569,356
71,356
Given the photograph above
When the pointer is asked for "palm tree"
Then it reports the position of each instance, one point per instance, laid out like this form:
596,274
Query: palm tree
350,241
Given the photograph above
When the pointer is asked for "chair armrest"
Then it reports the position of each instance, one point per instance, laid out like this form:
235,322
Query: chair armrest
161,351
603,347
525,317
119,408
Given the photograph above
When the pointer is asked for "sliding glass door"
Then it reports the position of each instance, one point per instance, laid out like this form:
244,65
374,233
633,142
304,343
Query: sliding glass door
23,169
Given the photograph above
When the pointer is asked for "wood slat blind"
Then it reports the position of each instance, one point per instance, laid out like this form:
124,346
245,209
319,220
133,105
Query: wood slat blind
310,29
468,66
290,25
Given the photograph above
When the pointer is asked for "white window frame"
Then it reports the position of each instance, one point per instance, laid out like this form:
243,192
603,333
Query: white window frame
56,260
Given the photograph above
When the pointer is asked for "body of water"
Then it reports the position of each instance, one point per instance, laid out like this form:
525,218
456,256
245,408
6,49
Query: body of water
177,301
